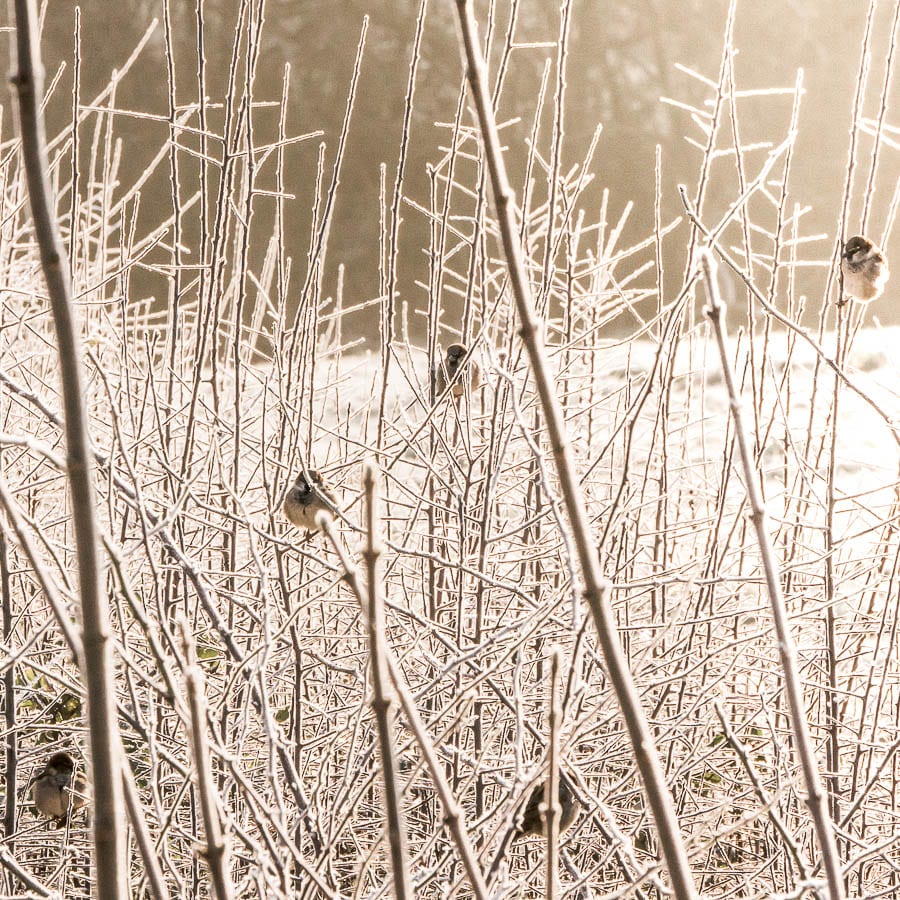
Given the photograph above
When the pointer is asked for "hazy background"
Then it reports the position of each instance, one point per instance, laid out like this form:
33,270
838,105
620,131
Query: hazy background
622,60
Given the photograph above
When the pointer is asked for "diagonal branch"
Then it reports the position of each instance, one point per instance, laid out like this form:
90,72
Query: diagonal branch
454,817
382,700
596,590
816,799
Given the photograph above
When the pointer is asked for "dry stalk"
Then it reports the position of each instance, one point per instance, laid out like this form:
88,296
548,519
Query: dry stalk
156,883
109,834
216,850
453,813
596,590
9,702
816,798
382,699
551,794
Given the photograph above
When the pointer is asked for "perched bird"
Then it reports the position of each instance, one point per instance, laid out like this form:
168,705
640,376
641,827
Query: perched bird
532,822
529,821
446,372
59,789
865,269
307,498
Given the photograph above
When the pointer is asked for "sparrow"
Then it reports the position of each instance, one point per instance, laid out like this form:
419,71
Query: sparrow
446,372
530,822
865,269
59,789
307,498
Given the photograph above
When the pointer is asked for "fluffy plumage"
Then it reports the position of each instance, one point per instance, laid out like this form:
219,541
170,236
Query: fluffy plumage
307,498
865,269
449,368
59,789
532,822
529,821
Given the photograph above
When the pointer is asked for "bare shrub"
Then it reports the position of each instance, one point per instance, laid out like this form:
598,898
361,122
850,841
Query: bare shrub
205,405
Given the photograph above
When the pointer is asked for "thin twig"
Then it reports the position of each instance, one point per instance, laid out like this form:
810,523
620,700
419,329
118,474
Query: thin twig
216,850
454,817
551,792
595,589
382,698
816,798
9,702
155,878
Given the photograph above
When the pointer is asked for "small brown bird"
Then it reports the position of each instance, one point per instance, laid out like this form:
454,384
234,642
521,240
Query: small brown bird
307,498
532,822
59,789
865,269
529,821
447,371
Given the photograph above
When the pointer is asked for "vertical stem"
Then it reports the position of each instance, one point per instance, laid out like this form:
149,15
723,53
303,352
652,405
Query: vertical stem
76,147
551,795
9,701
156,884
173,331
109,833
393,247
595,589
831,550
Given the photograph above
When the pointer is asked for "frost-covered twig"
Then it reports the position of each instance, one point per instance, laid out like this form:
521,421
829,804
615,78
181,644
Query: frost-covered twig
596,590
109,833
454,816
816,797
382,700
